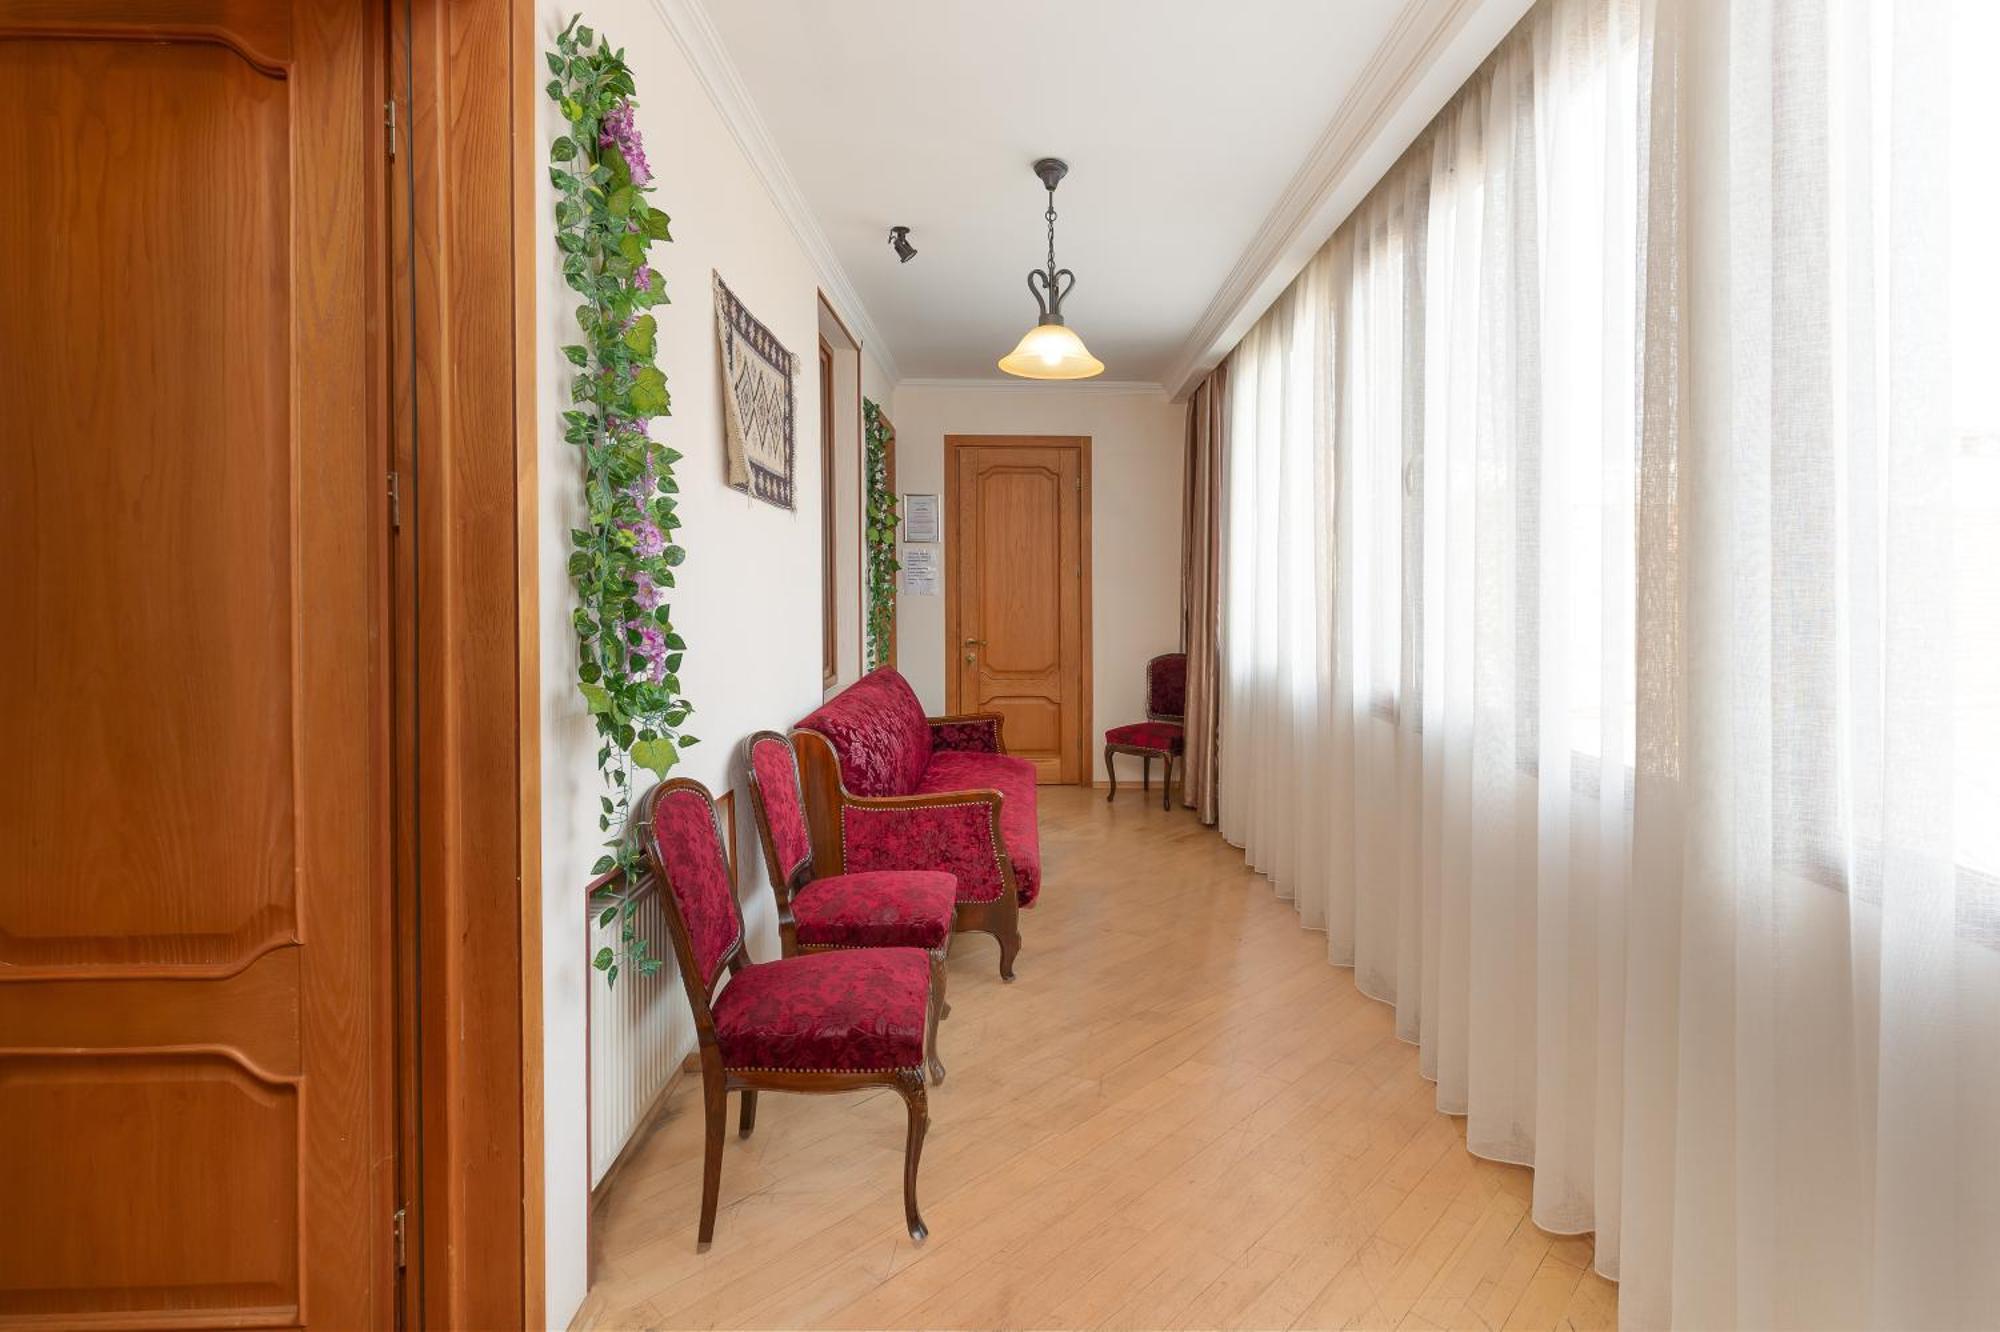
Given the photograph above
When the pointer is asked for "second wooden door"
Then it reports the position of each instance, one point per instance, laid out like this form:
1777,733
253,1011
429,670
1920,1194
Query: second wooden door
1018,603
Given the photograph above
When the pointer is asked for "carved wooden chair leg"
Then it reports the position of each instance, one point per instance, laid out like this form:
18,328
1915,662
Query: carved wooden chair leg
1008,932
937,978
715,1101
1145,772
1111,771
1010,948
1167,783
747,1120
937,1011
911,1084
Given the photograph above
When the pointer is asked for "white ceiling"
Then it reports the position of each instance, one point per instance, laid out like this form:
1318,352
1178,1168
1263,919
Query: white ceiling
1183,123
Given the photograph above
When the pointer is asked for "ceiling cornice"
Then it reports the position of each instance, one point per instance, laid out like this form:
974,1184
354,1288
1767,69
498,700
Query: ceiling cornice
1429,52
1127,387
695,32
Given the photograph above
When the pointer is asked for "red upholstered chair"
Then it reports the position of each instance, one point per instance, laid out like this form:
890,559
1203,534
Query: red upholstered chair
889,788
825,1022
1160,735
871,909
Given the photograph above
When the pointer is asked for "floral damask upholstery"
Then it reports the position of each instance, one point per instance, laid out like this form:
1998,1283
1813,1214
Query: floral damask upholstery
957,839
876,909
1163,736
1166,685
864,1010
878,729
777,771
981,736
1013,778
692,855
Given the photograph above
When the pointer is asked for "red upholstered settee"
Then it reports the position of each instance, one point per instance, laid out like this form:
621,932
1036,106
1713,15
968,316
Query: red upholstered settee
888,788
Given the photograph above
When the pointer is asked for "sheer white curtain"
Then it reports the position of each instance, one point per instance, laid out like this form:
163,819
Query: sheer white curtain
1612,667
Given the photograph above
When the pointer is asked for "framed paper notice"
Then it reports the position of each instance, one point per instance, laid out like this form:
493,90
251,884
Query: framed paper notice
920,517
920,571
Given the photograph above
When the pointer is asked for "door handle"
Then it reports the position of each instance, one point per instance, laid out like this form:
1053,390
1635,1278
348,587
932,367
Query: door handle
975,642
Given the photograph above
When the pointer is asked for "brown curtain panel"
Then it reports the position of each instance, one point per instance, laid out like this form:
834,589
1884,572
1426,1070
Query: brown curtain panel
1201,586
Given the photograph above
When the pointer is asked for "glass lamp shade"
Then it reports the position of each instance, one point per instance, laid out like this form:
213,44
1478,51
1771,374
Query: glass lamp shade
1051,351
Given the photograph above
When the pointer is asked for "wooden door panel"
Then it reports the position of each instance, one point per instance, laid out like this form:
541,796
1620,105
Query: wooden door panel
203,1148
193,970
1018,614
111,537
1019,598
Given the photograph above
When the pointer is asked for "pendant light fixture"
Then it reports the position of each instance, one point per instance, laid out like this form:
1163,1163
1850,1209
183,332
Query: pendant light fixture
1050,350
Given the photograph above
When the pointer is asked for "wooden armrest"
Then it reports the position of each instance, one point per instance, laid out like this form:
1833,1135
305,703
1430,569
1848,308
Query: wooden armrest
927,800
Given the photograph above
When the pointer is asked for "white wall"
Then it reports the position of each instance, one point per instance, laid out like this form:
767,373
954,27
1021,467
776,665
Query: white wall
748,600
1137,443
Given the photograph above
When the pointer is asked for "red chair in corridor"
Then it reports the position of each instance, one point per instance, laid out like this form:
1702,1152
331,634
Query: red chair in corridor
1161,735
822,1022
870,909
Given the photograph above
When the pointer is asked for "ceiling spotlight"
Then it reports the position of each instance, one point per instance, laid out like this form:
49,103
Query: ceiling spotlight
899,241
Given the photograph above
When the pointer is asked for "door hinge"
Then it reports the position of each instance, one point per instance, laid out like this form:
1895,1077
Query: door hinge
395,502
399,1228
389,119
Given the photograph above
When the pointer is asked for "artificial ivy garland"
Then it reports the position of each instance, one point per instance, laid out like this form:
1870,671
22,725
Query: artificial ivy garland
881,538
623,559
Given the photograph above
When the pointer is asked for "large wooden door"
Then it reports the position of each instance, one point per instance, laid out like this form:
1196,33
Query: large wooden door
1018,602
194,1015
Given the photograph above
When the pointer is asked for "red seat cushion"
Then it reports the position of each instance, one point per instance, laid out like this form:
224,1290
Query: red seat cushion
1163,736
1014,778
877,909
864,1010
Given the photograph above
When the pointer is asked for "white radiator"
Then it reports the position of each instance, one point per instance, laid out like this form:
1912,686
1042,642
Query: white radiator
639,1033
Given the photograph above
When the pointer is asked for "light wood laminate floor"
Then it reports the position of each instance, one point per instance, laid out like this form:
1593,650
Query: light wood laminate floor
1177,1116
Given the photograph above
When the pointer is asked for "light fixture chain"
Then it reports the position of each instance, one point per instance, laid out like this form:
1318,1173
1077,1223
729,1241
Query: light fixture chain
1051,215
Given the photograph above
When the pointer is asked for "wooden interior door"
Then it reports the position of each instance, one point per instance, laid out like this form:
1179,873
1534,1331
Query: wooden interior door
194,1018
1017,552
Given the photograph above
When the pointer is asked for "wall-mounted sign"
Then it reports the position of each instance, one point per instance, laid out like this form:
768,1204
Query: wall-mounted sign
920,518
920,571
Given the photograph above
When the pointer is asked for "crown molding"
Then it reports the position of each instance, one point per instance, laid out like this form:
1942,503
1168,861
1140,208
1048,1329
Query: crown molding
1433,47
695,33
1109,387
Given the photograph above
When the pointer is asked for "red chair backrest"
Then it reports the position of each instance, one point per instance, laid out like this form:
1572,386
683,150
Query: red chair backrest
1166,687
780,805
684,840
879,731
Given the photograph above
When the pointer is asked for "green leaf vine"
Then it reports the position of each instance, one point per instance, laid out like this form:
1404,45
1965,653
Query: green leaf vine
880,537
628,655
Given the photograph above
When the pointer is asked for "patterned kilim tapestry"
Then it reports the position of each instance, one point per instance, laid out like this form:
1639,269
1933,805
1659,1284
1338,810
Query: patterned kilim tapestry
756,401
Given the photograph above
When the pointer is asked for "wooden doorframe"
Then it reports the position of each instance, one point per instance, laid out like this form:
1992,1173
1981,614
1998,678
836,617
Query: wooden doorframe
829,516
464,310
853,346
1086,666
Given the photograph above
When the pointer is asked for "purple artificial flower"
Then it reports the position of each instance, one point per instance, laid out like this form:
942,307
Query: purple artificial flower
642,277
643,485
621,130
652,648
650,595
647,538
